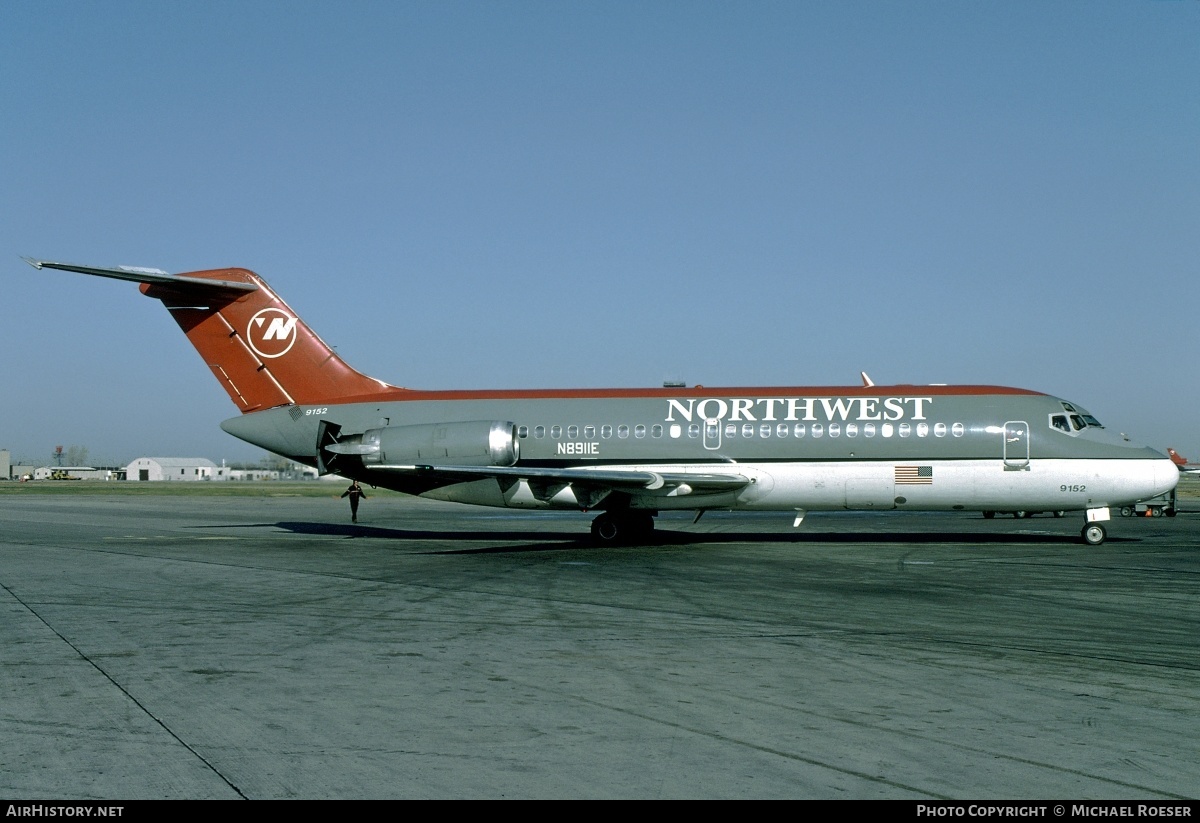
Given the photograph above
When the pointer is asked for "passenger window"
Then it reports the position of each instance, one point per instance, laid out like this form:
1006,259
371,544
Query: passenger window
731,429
782,430
676,430
694,430
522,431
957,430
852,430
747,430
639,431
905,430
606,431
573,432
798,430
589,432
835,429
939,429
764,430
869,429
887,429
539,432
656,430
922,430
556,432
817,430
622,431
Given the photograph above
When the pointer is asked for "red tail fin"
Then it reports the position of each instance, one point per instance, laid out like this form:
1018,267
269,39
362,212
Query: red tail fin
259,350
1177,458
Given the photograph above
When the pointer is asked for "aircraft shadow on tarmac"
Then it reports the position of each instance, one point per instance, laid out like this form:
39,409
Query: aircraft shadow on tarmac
525,540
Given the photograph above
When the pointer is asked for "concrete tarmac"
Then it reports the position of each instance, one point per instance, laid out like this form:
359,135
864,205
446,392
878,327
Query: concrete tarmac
204,647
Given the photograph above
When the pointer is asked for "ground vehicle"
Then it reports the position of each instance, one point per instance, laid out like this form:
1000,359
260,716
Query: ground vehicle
988,515
1154,507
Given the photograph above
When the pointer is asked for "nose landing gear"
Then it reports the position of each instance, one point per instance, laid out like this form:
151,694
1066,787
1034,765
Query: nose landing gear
1094,532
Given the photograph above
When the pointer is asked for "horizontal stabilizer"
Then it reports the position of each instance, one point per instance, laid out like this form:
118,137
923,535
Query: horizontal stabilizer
156,277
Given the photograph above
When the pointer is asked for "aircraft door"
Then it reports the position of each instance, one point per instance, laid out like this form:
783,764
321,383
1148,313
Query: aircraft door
712,433
870,488
1016,445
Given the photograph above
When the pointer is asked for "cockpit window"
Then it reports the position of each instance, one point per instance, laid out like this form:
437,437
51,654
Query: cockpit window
1074,422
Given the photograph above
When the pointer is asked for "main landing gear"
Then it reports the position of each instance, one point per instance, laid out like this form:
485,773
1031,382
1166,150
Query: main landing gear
622,526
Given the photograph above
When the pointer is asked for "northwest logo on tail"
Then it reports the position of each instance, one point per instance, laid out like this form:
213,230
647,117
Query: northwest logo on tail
271,332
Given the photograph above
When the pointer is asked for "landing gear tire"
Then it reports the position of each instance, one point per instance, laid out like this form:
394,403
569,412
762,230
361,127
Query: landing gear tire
1060,514
988,515
1093,534
1127,511
616,528
1156,512
1019,515
606,530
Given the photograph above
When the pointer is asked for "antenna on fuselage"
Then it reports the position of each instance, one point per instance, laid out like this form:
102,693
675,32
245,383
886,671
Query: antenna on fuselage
867,382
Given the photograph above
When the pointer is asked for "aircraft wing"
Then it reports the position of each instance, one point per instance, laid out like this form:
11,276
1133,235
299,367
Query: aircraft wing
589,485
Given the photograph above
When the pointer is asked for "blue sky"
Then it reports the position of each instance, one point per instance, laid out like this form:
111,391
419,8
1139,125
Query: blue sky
575,194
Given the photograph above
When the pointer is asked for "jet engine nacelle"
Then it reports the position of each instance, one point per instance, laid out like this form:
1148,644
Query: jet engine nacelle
474,443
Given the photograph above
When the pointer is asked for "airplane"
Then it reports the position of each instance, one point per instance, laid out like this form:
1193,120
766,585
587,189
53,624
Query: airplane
1182,462
632,453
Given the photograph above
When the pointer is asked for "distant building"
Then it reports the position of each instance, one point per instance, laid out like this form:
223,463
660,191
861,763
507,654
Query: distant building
175,469
290,472
298,471
75,473
5,464
253,474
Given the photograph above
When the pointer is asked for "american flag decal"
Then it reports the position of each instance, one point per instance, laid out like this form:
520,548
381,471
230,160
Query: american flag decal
914,475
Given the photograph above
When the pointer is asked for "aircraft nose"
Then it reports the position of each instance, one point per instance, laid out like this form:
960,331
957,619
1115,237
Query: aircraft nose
1166,476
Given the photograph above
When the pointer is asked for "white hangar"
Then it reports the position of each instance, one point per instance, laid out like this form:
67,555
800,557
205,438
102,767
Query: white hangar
175,469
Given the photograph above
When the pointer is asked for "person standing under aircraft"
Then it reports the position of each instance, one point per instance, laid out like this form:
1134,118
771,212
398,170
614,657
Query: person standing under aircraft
354,493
